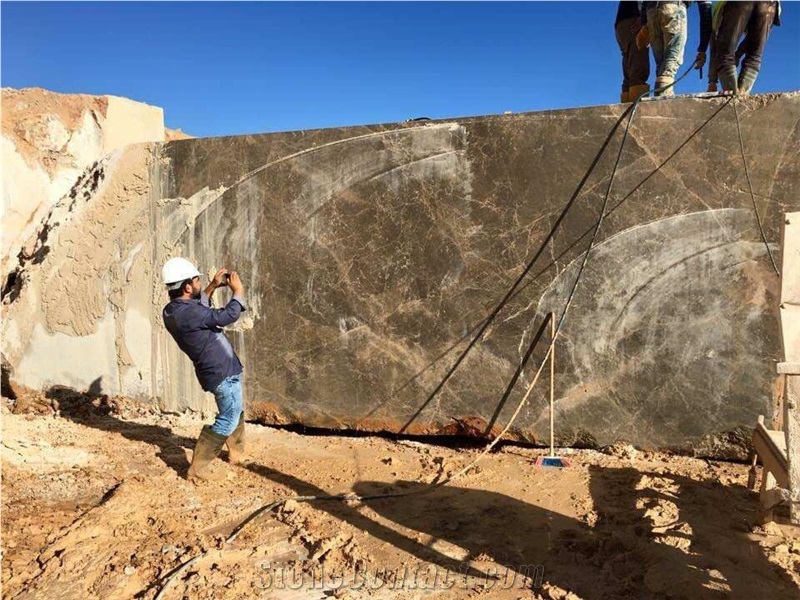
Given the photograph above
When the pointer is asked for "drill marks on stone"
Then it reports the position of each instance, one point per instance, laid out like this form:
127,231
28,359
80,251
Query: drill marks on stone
129,260
620,311
74,333
298,155
395,167
430,153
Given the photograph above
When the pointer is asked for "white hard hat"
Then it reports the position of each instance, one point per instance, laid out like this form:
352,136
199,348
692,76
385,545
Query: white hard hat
176,271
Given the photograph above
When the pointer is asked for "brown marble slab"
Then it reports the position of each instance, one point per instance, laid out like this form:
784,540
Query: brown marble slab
371,253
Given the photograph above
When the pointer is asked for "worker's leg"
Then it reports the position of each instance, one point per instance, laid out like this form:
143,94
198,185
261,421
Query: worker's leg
740,51
758,27
735,16
713,64
635,62
621,30
673,24
638,68
206,450
228,396
235,443
656,38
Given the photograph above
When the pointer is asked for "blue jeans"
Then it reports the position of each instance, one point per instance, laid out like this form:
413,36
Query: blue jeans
667,24
228,395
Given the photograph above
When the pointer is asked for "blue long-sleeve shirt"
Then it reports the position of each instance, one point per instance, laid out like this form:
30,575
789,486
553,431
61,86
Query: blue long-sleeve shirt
197,328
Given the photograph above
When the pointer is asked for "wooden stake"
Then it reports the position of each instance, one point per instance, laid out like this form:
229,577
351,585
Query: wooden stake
552,380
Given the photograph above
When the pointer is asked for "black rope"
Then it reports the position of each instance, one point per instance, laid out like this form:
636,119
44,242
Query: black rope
511,292
488,321
605,204
750,187
518,372
553,262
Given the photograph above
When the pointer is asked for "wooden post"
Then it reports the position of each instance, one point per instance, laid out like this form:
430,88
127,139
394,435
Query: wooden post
552,382
790,368
791,428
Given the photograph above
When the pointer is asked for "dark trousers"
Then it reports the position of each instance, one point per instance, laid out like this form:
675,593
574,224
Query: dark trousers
753,19
713,63
635,62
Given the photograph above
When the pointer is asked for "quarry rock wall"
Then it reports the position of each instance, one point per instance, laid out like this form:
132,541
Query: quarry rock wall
370,254
48,141
74,317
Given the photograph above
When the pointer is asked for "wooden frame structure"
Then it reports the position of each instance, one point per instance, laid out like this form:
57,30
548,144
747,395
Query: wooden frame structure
779,451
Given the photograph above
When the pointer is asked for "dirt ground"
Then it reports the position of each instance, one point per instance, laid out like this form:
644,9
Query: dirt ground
94,505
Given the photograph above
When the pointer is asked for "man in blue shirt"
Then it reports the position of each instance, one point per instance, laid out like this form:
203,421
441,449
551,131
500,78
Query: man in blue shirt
197,328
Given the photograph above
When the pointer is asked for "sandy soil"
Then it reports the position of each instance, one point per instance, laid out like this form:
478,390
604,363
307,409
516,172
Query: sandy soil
94,505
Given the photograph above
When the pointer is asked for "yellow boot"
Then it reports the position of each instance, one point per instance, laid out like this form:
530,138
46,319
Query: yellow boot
624,97
666,85
637,90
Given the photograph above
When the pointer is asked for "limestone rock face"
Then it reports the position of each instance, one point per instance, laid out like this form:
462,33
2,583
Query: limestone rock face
49,140
370,255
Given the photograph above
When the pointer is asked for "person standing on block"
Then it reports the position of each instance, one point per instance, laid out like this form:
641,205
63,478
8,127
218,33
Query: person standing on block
635,60
666,33
753,20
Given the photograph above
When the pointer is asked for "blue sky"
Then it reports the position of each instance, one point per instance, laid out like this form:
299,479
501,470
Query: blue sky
233,68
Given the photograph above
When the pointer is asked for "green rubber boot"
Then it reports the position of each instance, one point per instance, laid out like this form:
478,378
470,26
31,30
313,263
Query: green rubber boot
747,78
727,77
235,443
206,450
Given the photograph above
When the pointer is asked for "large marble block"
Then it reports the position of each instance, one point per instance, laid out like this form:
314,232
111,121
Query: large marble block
371,253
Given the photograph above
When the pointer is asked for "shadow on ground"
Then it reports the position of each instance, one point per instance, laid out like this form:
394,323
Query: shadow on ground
619,557
98,411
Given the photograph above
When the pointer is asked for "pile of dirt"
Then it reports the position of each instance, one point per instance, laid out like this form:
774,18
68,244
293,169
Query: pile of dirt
41,122
172,135
95,505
